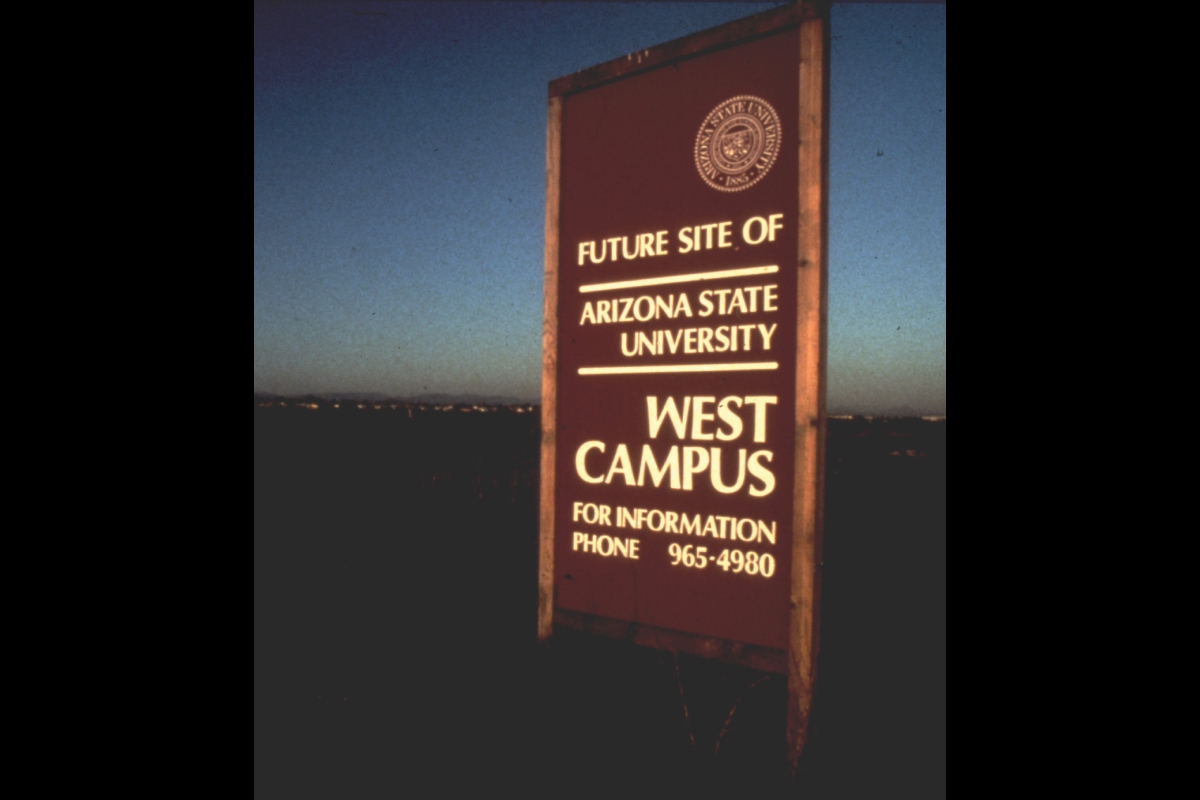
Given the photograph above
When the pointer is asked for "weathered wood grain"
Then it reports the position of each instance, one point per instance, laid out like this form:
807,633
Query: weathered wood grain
809,488
549,372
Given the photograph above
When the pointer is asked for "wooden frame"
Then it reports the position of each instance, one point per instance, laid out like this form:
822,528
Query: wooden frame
809,491
549,375
811,22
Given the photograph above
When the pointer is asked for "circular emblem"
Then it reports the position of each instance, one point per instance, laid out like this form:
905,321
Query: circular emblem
737,143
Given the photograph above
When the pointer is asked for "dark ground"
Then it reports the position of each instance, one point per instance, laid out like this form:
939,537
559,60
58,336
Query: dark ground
395,653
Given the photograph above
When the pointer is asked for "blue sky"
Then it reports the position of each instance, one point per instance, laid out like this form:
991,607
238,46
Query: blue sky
399,153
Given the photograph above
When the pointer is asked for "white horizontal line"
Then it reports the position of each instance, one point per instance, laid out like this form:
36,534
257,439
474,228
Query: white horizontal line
679,368
690,278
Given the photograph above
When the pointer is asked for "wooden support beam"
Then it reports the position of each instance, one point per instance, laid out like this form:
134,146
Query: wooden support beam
809,490
549,373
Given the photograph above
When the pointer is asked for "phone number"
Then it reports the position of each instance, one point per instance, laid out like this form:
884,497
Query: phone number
729,560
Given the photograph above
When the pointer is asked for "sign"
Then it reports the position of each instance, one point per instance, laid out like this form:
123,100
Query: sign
683,374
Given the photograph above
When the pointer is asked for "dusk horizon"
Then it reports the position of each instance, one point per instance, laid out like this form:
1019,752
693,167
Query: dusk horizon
399,192
895,412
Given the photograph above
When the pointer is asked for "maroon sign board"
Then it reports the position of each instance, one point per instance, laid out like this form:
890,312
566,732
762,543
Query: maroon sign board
684,346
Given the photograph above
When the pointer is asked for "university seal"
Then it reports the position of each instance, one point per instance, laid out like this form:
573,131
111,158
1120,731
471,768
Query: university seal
738,143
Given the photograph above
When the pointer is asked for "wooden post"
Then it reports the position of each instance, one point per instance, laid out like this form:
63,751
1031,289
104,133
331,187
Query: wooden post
809,490
549,373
